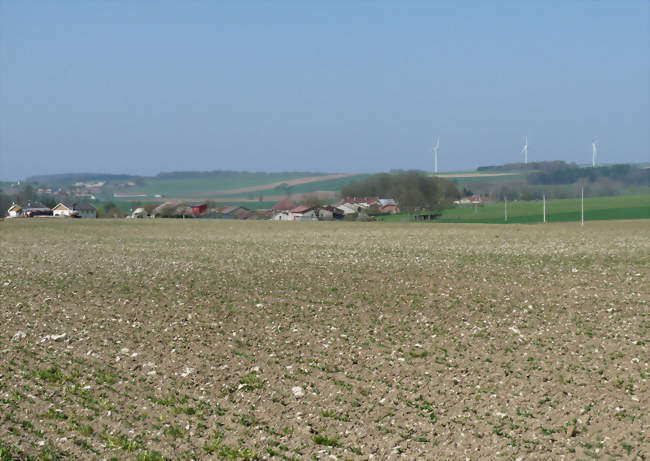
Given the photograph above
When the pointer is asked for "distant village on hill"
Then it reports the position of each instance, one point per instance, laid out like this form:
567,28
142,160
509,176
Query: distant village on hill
365,208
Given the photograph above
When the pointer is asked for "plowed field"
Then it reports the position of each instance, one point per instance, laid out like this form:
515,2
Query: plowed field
154,339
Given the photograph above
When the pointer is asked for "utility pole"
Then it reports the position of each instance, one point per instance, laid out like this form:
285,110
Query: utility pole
544,206
505,208
582,206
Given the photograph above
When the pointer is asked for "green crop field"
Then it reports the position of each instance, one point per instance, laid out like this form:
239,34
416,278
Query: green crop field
207,185
560,210
223,188
333,185
486,178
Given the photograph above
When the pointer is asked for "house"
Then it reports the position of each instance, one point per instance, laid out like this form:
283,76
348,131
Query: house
85,210
303,213
389,209
198,209
63,209
15,210
281,216
473,200
363,202
284,205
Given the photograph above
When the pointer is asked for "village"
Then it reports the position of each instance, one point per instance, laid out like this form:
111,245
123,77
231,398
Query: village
349,208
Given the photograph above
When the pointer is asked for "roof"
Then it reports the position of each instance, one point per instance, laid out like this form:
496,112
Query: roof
83,206
301,209
65,204
35,206
229,209
243,213
15,206
284,205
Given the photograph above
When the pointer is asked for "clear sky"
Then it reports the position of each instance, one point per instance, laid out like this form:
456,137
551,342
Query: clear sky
335,86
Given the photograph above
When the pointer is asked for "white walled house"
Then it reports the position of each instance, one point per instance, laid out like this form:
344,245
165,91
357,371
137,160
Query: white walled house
82,210
302,213
281,216
15,211
63,209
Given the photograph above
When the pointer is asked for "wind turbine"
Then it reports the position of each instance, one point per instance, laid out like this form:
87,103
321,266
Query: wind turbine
525,151
594,153
435,155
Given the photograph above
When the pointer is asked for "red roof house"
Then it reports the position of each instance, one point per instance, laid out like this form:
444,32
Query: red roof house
284,205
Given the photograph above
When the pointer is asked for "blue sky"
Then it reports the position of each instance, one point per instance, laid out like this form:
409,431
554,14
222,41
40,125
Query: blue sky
337,86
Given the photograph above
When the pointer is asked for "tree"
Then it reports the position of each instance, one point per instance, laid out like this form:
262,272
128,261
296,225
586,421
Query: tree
312,201
149,207
374,210
109,210
26,195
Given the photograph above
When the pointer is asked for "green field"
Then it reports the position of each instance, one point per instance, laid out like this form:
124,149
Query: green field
196,185
199,189
561,210
486,178
325,185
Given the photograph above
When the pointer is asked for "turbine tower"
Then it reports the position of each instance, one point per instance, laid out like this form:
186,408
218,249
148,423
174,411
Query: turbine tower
435,155
525,151
594,153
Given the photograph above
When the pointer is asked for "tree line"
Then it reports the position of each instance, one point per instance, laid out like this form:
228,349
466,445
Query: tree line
413,190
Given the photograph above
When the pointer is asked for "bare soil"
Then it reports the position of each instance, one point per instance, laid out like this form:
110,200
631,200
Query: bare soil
154,339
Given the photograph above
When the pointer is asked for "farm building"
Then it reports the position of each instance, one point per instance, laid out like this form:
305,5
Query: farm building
299,213
198,209
348,208
303,213
329,212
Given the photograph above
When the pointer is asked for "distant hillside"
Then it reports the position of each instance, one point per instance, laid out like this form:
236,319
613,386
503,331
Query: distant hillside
70,178
227,173
555,164
194,186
